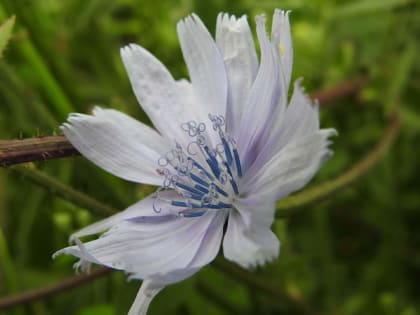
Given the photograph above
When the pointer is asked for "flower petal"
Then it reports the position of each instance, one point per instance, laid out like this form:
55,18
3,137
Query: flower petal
147,248
140,211
250,243
205,65
235,41
300,118
262,99
281,38
157,92
117,143
290,169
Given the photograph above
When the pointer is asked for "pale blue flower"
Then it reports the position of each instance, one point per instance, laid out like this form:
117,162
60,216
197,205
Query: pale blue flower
226,147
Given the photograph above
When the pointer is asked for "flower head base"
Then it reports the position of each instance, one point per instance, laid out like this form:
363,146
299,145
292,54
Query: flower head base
228,145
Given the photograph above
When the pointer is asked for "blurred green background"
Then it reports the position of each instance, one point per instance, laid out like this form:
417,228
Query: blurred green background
358,252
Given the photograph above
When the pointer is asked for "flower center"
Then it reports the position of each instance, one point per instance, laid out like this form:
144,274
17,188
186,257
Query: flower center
203,173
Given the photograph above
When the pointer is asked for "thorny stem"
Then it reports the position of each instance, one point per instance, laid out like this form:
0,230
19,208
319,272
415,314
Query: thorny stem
35,149
64,285
289,204
45,148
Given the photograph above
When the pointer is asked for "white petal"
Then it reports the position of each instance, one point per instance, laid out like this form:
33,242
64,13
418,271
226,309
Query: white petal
117,143
205,65
157,92
235,41
282,40
300,118
250,243
261,101
142,209
289,169
156,247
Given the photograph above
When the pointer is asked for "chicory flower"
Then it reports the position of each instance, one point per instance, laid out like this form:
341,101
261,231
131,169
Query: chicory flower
226,146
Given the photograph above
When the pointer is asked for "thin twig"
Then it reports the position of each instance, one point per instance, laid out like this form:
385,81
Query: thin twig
43,293
288,205
331,95
45,148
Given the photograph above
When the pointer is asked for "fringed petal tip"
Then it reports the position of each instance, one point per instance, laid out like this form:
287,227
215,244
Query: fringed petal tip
262,258
298,87
329,132
260,19
284,14
127,50
230,22
190,21
76,117
83,265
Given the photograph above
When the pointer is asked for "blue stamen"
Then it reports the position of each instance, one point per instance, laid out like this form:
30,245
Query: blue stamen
228,153
220,205
188,188
220,190
201,168
195,197
212,162
192,213
225,205
237,162
204,186
179,203
201,189
199,180
228,169
234,186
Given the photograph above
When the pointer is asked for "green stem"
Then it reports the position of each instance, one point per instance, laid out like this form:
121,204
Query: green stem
58,188
287,206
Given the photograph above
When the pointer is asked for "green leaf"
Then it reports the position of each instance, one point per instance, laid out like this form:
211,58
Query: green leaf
6,33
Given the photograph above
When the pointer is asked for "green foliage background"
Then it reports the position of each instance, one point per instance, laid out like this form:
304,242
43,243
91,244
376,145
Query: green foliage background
356,253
